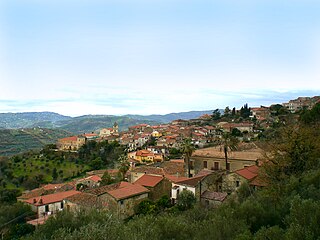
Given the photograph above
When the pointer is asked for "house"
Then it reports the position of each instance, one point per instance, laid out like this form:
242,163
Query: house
48,204
250,175
205,181
156,134
300,103
245,126
158,186
89,182
138,128
81,200
211,199
45,190
145,156
100,172
91,136
105,132
260,113
120,198
71,143
213,158
138,172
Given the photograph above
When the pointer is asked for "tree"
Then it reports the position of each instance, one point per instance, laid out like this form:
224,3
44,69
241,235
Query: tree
96,163
106,179
228,143
233,113
54,174
187,149
245,111
311,116
227,111
186,200
236,132
146,207
124,166
216,114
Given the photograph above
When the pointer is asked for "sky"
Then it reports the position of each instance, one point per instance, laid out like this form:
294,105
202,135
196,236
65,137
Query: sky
116,57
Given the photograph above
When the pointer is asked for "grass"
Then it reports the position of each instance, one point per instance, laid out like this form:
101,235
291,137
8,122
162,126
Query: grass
33,166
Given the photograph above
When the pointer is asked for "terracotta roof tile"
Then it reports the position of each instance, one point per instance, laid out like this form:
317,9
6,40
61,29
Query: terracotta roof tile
149,170
253,154
128,191
175,179
83,199
249,172
149,180
192,182
73,138
51,198
104,189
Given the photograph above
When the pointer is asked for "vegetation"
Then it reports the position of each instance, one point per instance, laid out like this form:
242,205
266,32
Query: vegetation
288,208
101,154
29,170
187,149
14,141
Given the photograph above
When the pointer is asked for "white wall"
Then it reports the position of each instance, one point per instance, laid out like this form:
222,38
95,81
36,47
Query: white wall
174,190
53,207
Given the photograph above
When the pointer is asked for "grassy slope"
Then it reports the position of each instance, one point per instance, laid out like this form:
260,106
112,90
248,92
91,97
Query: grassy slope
13,141
34,166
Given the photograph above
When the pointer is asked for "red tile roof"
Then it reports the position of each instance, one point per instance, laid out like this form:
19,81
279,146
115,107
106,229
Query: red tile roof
51,198
175,179
95,178
128,191
258,182
84,199
149,180
148,170
192,182
249,173
91,135
73,138
104,189
144,153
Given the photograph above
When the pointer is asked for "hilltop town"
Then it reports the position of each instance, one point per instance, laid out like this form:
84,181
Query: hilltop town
211,158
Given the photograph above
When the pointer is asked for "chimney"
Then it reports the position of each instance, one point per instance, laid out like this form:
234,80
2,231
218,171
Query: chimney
34,200
40,201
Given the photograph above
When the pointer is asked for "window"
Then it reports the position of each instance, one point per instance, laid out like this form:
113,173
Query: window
237,183
61,206
205,164
216,165
121,202
46,208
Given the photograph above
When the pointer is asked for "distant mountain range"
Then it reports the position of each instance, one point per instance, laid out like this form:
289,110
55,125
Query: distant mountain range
87,123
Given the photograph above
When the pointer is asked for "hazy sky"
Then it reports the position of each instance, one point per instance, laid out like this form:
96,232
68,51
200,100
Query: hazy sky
79,57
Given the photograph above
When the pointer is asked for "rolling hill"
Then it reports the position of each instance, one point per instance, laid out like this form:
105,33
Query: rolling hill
13,141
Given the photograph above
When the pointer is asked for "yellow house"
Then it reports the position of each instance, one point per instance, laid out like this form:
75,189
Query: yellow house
144,156
156,134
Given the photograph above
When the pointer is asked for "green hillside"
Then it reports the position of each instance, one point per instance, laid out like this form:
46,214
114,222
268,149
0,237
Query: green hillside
13,141
91,123
30,119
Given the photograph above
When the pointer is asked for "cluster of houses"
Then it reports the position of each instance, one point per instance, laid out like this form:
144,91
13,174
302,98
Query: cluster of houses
301,102
212,178
211,183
